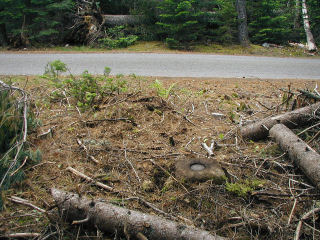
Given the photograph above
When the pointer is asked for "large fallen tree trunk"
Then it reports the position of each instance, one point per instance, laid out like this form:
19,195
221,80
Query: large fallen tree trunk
116,20
307,159
109,218
302,116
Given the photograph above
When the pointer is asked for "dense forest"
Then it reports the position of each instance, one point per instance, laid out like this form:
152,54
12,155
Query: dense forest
179,23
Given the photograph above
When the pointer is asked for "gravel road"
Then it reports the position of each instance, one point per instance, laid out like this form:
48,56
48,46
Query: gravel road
170,65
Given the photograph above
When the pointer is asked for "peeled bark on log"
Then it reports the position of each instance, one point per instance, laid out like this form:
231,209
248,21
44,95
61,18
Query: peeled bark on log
110,218
116,20
299,117
307,159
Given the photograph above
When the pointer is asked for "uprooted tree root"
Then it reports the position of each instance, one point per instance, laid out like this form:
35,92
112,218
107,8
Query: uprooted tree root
131,141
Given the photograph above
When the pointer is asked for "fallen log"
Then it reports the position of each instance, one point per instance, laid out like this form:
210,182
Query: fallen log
111,219
117,20
299,117
307,159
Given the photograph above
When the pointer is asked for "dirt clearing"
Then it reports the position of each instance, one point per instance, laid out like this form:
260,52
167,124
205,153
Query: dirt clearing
131,141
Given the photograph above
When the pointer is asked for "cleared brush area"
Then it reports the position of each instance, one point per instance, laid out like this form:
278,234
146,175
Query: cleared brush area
130,136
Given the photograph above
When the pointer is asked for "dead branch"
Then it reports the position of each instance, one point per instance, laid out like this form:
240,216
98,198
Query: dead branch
26,202
209,149
168,173
92,158
260,130
110,218
19,168
304,217
22,235
131,165
49,131
307,159
19,145
309,94
89,179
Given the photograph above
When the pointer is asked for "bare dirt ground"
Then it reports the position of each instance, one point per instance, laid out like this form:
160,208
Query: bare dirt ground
137,137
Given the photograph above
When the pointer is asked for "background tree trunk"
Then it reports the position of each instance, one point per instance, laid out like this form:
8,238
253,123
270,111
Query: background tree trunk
310,40
297,15
242,23
3,35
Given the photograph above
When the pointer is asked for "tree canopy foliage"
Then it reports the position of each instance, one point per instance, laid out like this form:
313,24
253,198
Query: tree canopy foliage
180,23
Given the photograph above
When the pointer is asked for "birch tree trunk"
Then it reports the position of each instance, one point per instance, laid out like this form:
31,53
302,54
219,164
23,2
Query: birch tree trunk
242,23
310,40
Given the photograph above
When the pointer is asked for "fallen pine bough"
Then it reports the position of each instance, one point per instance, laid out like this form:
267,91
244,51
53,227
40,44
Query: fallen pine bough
110,218
299,117
307,159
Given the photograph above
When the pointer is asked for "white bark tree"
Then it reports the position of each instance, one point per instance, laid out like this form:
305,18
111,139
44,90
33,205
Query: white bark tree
310,40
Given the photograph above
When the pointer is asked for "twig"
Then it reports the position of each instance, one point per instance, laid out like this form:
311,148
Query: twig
209,149
110,120
25,202
316,90
89,179
169,175
87,152
314,137
21,166
264,105
130,163
307,129
64,93
292,211
184,117
304,217
22,235
81,221
50,130
186,147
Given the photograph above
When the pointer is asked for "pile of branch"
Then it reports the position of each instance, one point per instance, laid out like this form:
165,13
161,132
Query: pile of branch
278,127
113,219
297,118
22,104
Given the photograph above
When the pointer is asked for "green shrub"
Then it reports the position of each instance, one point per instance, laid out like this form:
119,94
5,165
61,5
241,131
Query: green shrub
116,38
86,90
55,68
161,90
